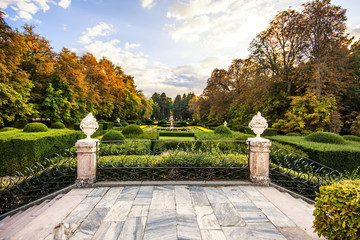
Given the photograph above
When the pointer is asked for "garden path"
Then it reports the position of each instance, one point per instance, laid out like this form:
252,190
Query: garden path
166,210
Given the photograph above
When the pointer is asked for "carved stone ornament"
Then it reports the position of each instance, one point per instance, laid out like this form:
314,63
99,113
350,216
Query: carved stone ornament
89,126
258,124
225,123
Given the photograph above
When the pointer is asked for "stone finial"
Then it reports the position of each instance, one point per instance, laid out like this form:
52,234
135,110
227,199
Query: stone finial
258,124
225,123
118,120
89,125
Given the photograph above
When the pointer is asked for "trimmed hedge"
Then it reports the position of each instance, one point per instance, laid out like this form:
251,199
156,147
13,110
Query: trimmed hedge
325,137
113,135
337,211
107,125
5,129
57,125
20,149
352,138
342,157
213,136
223,130
35,127
132,130
124,123
176,134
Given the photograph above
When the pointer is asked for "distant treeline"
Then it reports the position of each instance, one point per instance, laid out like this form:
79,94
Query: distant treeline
302,74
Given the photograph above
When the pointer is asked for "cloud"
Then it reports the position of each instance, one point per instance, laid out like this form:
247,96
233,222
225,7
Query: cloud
64,3
148,3
152,76
26,9
131,45
222,25
100,30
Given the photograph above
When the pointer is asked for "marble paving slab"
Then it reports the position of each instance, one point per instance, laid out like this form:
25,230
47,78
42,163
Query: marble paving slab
161,225
133,228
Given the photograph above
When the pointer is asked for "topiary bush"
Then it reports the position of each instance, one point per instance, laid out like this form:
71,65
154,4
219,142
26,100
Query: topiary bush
5,129
57,125
352,138
124,123
325,137
113,135
132,130
293,134
337,210
35,127
223,130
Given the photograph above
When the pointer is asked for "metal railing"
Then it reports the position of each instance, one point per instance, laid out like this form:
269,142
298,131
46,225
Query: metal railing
300,174
38,180
172,160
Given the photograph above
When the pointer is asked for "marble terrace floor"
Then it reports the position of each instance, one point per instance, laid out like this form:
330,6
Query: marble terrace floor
155,212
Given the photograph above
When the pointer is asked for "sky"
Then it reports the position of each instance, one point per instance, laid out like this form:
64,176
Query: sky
169,46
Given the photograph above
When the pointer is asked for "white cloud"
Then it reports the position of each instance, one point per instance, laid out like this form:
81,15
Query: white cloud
64,3
222,25
26,9
131,45
100,30
148,3
152,76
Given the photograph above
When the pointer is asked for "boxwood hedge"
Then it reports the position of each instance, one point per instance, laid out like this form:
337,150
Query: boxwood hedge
20,149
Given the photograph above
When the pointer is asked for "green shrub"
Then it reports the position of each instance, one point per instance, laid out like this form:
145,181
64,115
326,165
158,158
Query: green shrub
124,123
113,135
292,134
145,135
77,126
180,124
269,132
57,125
163,123
223,130
337,156
325,137
352,138
35,127
5,129
107,125
117,124
18,149
148,122
176,134
132,122
118,128
132,130
337,211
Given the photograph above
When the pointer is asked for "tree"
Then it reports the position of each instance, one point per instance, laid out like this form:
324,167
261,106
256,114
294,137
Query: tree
15,85
326,44
281,46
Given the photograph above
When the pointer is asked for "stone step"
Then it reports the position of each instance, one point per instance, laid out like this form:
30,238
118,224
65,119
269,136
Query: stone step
304,205
10,220
23,219
294,209
42,225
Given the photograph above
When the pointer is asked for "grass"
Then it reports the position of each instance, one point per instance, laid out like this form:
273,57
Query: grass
175,138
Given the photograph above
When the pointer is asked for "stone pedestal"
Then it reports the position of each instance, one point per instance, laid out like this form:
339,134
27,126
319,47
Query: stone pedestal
86,162
259,160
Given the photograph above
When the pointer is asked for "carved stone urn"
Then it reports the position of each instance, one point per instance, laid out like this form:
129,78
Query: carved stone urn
89,126
258,124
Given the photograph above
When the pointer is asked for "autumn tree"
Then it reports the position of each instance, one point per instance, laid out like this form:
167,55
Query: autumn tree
15,85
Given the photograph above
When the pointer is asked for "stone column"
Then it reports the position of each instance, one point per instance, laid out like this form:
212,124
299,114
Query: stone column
86,162
259,160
